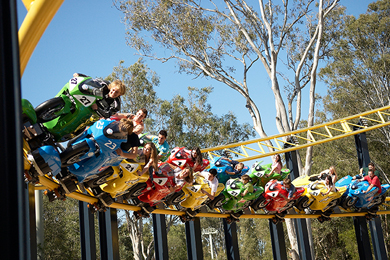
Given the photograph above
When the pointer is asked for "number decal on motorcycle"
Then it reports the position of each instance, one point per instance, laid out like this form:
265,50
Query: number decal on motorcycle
99,125
233,193
73,81
129,167
110,145
160,181
84,100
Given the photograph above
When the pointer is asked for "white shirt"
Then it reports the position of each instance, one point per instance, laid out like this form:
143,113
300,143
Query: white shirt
212,184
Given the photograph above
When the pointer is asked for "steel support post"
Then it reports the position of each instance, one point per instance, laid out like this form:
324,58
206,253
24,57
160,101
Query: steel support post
160,237
14,220
30,192
362,238
194,240
375,225
278,244
300,224
87,232
108,234
231,240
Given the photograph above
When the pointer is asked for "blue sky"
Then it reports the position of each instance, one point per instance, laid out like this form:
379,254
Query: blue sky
88,37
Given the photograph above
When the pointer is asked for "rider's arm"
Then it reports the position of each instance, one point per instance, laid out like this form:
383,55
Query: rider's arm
131,155
211,196
369,188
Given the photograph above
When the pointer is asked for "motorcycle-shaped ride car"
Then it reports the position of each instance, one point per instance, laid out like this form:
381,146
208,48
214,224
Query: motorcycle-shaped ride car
190,199
72,107
315,199
222,165
181,157
156,190
275,202
234,203
258,174
87,160
355,199
125,182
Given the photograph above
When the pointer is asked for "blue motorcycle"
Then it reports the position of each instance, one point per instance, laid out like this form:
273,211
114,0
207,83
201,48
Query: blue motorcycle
222,165
354,198
87,160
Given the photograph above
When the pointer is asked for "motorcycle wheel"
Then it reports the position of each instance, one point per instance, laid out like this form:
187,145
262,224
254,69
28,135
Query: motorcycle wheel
46,111
348,202
175,198
72,154
333,203
260,203
101,179
136,190
303,203
216,202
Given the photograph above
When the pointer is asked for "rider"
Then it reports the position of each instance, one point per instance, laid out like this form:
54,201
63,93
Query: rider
276,165
329,184
371,166
210,177
373,180
289,187
245,179
111,92
331,172
237,166
161,145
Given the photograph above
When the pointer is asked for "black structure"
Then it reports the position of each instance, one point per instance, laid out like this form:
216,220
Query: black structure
361,231
160,237
194,240
108,234
278,244
231,240
300,224
14,230
87,232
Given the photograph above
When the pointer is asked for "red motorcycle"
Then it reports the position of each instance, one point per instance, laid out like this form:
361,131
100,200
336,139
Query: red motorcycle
274,203
155,190
181,157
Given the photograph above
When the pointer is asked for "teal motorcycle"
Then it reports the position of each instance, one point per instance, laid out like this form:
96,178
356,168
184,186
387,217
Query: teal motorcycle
234,203
70,111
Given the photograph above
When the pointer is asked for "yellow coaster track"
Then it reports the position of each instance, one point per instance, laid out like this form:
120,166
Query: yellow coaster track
306,137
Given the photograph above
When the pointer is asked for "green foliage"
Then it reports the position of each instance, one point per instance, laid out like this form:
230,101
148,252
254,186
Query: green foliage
61,230
140,82
191,123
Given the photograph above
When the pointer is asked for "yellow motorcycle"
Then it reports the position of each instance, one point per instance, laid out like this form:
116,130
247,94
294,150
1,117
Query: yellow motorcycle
191,198
125,180
315,198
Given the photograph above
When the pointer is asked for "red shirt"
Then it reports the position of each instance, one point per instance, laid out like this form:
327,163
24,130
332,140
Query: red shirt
375,181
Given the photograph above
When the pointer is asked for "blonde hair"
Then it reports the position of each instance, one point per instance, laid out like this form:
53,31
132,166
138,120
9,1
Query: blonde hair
240,166
127,125
118,84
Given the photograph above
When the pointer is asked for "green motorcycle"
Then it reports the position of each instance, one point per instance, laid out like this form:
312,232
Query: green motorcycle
258,174
234,203
70,111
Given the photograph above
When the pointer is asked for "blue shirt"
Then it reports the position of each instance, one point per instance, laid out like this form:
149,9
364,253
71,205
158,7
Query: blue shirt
163,149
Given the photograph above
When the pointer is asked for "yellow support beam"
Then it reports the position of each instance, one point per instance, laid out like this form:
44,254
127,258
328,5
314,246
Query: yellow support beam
39,15
305,137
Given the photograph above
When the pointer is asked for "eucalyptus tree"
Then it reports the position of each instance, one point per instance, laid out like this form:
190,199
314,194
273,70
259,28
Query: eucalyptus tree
226,40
